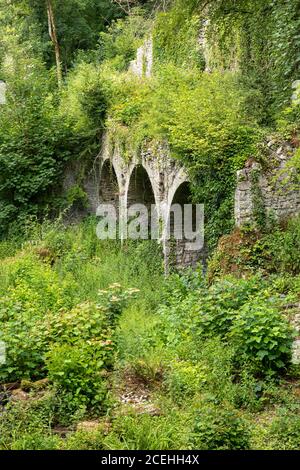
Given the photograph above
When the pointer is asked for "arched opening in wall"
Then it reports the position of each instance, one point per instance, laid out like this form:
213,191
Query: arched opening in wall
141,192
183,225
109,187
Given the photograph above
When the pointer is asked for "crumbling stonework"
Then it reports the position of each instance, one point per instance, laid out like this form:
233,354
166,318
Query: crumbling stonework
293,314
278,200
2,92
142,65
152,179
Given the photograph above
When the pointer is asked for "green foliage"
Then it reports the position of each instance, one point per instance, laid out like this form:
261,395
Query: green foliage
283,246
35,143
23,419
244,313
85,440
202,118
23,310
36,441
144,432
290,176
44,292
77,370
176,35
261,333
119,43
84,99
77,197
209,356
261,39
275,251
217,429
283,432
78,24
185,379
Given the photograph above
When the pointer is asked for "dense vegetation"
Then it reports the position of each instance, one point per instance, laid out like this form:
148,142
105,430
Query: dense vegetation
104,352
104,355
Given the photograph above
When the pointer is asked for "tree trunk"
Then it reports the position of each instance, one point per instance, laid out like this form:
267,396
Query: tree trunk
53,36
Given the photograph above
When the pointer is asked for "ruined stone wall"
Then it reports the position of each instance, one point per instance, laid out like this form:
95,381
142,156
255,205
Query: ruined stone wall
2,92
142,65
153,179
256,186
292,313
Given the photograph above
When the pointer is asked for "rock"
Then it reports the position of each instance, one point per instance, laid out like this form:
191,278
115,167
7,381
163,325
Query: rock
296,352
88,426
27,385
19,395
10,386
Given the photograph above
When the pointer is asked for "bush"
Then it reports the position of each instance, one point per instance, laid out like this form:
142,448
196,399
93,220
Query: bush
281,433
273,251
78,371
262,335
35,295
284,432
219,307
33,417
38,306
220,429
185,380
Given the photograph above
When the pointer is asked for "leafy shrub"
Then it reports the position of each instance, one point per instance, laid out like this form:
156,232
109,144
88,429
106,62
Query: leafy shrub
78,370
114,299
243,314
284,247
247,250
218,309
149,366
262,335
185,380
220,429
22,419
23,312
284,432
38,307
84,99
120,42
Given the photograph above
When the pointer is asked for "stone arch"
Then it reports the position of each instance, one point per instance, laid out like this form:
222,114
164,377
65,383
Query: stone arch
179,179
176,249
140,190
109,188
181,197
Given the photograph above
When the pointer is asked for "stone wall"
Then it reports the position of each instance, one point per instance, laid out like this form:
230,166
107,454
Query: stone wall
153,179
142,65
292,313
278,200
2,92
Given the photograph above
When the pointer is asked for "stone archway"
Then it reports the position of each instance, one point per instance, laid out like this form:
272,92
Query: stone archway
140,191
177,246
155,181
109,192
